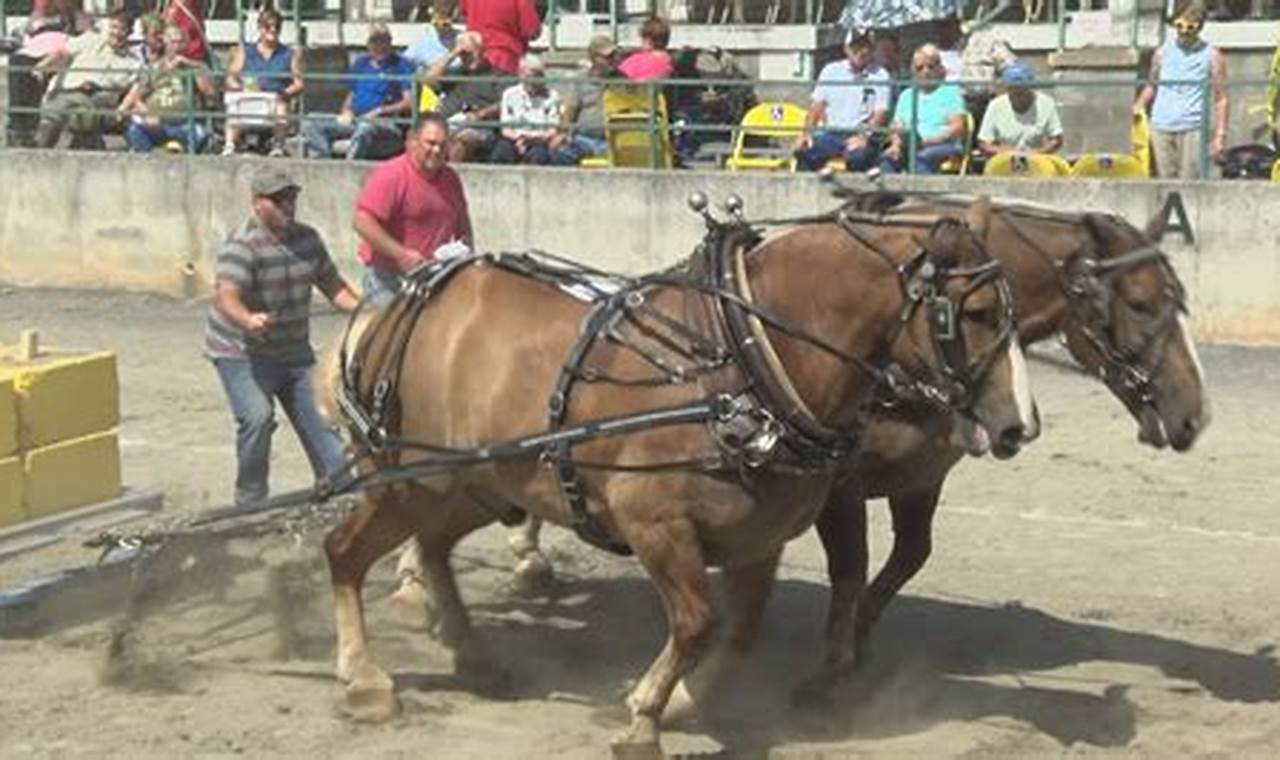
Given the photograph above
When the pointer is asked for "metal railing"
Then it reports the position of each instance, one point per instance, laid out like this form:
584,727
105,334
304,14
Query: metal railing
680,123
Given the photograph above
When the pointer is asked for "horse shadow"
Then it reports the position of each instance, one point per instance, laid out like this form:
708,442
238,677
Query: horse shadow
928,655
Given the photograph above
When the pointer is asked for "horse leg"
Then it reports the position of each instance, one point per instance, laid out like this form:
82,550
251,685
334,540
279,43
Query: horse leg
842,527
670,552
912,544
533,570
372,530
748,588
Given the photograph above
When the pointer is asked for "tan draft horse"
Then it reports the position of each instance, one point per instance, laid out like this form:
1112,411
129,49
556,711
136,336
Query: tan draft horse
1093,279
833,304
1112,296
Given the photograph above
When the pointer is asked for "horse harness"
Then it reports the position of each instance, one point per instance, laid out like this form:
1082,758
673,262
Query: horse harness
759,421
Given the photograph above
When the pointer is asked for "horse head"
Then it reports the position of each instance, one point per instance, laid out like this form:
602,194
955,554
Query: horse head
960,326
1132,331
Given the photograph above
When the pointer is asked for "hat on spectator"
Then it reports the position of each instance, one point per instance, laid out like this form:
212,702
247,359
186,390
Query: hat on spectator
379,31
601,45
269,181
1018,72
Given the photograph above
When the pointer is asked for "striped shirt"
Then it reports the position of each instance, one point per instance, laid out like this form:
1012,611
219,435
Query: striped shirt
274,276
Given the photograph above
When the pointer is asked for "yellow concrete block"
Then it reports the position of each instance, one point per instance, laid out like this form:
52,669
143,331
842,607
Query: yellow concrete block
72,473
63,395
11,481
8,416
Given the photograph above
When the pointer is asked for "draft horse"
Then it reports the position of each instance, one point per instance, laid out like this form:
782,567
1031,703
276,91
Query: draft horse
697,416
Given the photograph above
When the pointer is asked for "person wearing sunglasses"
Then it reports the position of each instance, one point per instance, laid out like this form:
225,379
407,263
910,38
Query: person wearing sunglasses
258,331
1176,94
935,109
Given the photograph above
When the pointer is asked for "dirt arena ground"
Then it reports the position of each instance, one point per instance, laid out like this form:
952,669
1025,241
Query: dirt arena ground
1089,598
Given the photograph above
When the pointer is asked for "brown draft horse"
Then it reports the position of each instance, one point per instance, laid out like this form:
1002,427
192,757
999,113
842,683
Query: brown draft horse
1091,278
836,304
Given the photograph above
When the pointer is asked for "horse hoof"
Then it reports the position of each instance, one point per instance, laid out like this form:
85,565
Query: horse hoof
532,576
411,606
637,751
370,703
681,707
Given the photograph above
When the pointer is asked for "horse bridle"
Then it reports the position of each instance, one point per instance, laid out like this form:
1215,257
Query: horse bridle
1123,370
952,381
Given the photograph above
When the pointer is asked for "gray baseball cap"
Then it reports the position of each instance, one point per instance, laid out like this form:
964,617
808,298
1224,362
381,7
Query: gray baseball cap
269,181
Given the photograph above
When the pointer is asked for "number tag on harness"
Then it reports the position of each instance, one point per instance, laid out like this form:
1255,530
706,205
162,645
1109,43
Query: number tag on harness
942,317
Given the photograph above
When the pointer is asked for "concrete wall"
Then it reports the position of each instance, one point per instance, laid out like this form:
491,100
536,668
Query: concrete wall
118,220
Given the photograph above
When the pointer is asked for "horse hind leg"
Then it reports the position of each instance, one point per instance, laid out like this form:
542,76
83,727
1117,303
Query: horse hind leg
372,530
748,588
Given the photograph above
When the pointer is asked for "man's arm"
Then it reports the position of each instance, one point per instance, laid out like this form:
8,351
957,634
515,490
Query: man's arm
296,68
339,293
231,305
813,118
1221,99
235,66
383,244
1148,92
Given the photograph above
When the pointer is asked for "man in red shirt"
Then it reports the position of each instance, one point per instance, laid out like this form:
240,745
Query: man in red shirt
412,207
507,27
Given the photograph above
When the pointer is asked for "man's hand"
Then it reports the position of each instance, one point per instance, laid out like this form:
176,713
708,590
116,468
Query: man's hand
257,322
522,144
345,117
410,259
803,142
558,139
1217,145
856,142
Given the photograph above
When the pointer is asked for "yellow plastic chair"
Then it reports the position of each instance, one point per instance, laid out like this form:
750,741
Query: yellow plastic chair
1140,140
772,121
428,100
960,164
1275,171
627,130
1038,165
1110,165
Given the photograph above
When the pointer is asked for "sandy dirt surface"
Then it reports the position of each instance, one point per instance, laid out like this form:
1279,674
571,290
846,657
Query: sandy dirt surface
1089,598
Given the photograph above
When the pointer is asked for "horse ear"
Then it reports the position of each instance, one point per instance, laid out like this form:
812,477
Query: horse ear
1156,226
978,216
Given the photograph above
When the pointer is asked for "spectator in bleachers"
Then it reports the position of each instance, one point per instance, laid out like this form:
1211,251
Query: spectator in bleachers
158,108
188,15
151,48
267,66
850,103
91,75
1273,97
940,118
976,57
1022,119
507,27
1179,109
887,54
583,110
469,101
51,25
438,37
380,89
651,61
530,113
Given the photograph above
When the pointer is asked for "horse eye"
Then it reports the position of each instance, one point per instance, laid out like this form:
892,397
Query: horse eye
1143,308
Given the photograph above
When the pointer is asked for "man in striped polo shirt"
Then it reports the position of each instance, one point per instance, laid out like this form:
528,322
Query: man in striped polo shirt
258,332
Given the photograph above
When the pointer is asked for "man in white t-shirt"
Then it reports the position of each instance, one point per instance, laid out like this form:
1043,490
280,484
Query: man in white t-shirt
848,107
1022,119
530,118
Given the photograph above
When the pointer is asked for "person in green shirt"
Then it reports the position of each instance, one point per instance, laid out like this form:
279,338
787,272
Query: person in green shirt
1022,119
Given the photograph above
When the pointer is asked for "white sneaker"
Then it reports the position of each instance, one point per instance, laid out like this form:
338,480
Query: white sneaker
228,149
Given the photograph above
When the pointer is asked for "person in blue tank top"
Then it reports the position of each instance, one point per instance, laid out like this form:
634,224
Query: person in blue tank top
1179,110
267,66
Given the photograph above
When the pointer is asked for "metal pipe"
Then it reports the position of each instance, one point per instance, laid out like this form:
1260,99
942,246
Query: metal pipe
1062,24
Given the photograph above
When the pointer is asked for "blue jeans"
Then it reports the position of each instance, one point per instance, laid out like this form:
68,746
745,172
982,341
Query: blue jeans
927,157
364,136
379,286
252,386
828,145
143,138
577,148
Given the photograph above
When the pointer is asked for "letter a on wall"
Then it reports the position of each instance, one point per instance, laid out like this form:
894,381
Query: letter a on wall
1173,206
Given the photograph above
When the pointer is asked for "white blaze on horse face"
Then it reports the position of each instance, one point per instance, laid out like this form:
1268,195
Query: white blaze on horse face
1184,332
1022,387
